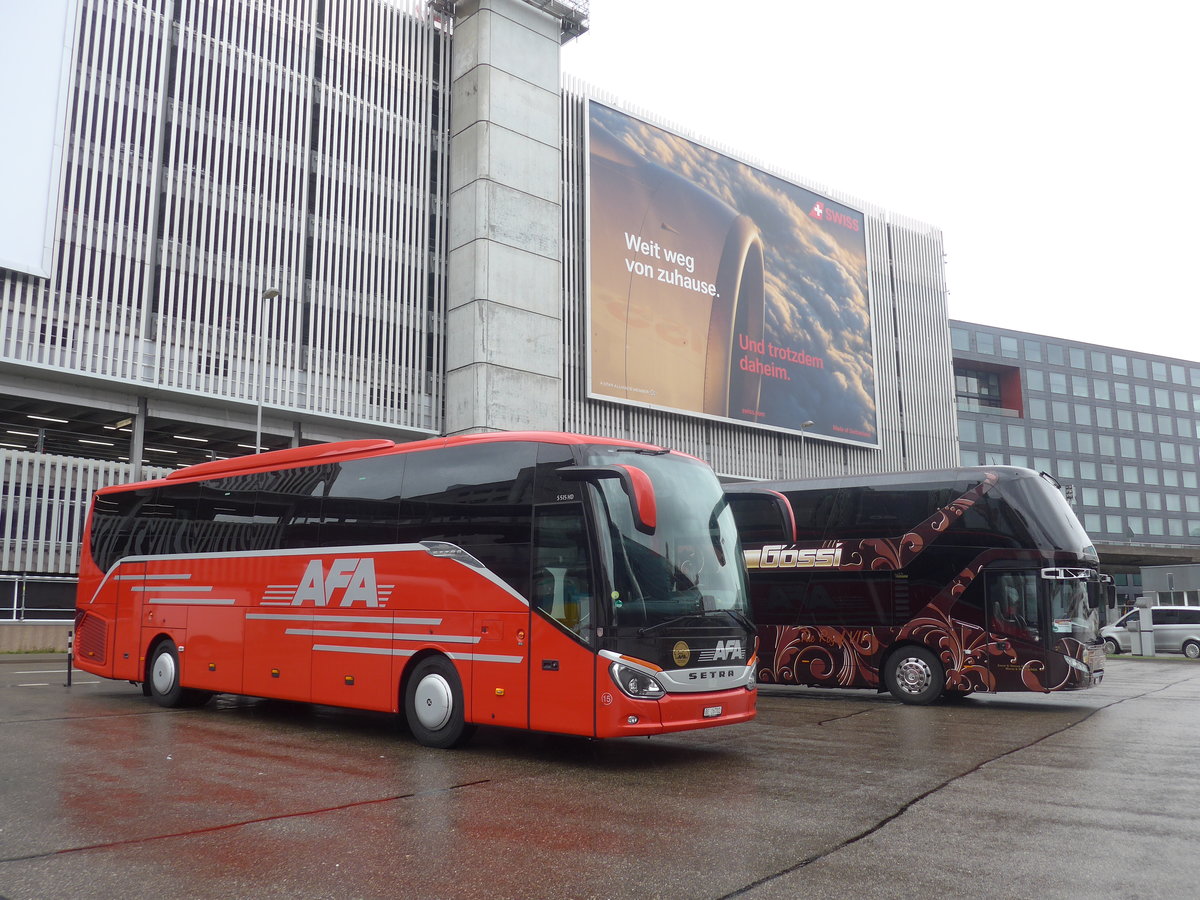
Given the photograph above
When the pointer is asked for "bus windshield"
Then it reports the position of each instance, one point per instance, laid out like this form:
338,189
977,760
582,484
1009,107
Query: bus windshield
1071,612
691,566
1052,522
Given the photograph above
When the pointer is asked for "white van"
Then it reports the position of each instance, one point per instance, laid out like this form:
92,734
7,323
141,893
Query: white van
1176,630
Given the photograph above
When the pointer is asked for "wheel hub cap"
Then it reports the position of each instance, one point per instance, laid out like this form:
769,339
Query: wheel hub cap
163,676
434,702
914,675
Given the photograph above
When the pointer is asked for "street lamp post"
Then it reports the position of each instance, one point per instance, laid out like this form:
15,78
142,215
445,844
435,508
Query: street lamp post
268,294
804,426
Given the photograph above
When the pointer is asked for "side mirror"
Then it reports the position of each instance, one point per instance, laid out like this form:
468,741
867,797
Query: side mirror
634,481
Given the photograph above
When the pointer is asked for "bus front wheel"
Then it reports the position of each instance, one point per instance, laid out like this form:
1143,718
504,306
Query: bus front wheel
433,704
914,675
162,678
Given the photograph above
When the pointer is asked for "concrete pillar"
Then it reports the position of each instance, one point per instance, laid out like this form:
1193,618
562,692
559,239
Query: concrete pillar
504,315
137,438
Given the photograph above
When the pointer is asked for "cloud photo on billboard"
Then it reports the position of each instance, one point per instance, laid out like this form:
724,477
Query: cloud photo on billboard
722,290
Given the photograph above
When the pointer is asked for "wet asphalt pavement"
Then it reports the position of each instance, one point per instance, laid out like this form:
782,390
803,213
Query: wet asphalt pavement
826,794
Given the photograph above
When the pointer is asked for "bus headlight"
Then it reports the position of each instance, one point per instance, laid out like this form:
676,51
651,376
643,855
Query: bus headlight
635,683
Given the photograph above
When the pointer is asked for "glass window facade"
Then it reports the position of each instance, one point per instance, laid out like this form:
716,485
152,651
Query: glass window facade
1122,428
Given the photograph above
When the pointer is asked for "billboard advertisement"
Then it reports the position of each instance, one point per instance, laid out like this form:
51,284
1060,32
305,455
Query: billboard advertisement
719,290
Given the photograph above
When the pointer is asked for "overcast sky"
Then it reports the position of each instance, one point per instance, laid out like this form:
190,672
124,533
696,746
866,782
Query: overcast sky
1054,143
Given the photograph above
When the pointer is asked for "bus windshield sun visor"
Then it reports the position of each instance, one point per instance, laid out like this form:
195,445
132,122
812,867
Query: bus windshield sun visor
634,481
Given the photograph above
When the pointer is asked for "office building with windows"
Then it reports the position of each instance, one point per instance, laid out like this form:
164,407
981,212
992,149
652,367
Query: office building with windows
1119,431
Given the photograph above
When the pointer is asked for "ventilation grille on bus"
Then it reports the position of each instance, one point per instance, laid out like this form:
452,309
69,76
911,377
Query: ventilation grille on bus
91,638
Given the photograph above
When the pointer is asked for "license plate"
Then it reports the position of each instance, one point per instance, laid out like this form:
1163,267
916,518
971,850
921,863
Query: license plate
711,712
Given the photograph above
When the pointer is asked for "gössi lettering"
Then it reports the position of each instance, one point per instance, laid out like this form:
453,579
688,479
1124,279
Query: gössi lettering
782,556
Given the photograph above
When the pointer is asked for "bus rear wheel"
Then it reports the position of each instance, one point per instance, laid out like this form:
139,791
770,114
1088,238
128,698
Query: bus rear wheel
433,704
162,678
1191,650
914,675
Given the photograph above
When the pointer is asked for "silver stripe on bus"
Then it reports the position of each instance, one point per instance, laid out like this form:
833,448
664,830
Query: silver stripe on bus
169,587
180,577
387,636
317,617
387,651
486,657
373,651
355,550
197,601
113,568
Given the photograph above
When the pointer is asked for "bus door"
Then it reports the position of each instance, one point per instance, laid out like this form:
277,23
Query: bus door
1017,630
128,649
562,658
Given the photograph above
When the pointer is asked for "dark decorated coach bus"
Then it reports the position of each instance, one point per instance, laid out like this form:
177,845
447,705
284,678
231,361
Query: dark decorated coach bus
924,584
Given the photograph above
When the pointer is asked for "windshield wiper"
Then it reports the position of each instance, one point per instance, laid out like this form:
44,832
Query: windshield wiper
646,629
739,617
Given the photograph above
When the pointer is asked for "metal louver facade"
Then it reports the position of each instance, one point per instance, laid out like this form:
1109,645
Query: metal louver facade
218,148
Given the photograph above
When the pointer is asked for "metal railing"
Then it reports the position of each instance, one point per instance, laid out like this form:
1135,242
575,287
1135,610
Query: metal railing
25,598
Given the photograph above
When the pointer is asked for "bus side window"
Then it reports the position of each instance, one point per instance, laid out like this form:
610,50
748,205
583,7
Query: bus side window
225,516
563,585
1013,604
814,512
478,497
114,526
832,600
360,501
759,519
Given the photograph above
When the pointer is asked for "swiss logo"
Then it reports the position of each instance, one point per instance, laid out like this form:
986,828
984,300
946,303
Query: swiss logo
832,216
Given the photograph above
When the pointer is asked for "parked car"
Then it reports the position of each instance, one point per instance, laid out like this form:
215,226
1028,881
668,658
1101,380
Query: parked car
1176,630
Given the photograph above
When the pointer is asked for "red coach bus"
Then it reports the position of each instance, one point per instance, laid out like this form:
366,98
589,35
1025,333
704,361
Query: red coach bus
924,584
546,581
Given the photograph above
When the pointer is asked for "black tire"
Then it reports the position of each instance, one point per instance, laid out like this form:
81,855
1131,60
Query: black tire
1191,649
433,704
162,679
1111,647
914,675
